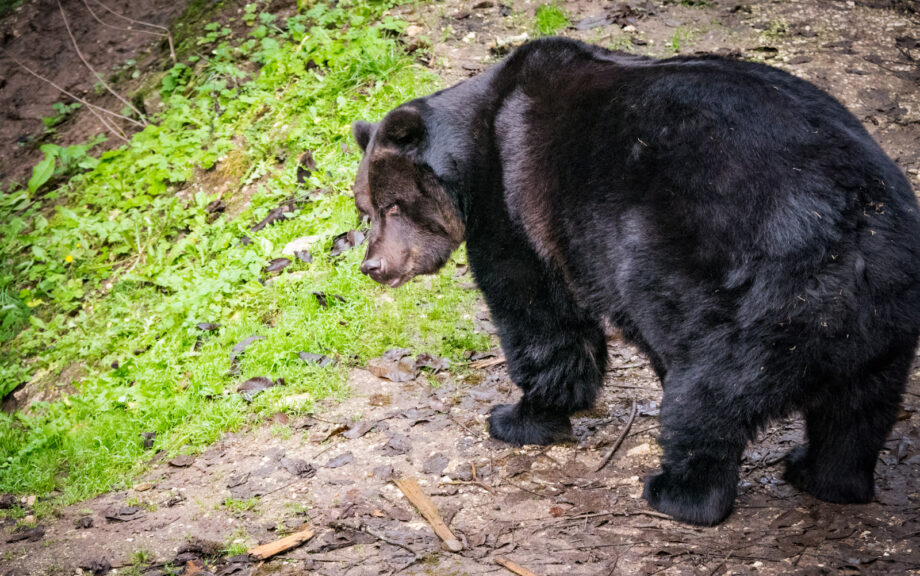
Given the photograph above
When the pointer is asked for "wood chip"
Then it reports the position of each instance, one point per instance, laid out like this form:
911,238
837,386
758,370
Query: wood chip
429,511
278,546
513,566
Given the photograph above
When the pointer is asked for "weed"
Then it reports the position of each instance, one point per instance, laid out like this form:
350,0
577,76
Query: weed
550,19
236,543
238,507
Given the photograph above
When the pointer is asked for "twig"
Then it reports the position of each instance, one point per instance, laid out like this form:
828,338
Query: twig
366,530
91,107
513,566
91,69
487,362
428,510
278,546
166,32
620,438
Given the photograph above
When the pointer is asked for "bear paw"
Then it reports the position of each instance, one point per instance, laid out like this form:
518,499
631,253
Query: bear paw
840,486
515,425
701,503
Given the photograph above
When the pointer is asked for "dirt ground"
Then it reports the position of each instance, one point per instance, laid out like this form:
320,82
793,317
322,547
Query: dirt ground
35,36
544,508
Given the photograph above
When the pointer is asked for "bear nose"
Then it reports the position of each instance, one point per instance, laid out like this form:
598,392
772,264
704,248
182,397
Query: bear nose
369,266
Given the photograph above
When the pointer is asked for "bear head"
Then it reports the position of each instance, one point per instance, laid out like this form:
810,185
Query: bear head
415,223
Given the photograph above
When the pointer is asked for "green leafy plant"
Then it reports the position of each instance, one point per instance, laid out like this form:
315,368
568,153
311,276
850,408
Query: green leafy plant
550,19
110,264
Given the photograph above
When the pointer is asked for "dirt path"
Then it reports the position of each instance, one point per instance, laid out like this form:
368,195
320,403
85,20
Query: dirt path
544,508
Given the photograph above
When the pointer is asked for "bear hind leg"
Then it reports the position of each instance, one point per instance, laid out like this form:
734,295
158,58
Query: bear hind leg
845,435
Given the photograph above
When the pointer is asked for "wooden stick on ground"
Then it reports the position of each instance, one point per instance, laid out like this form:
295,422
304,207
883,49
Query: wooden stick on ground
513,566
620,438
487,362
278,546
429,511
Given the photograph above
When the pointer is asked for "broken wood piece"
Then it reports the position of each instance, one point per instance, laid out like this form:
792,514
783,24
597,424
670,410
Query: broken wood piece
513,566
620,438
487,362
278,546
428,510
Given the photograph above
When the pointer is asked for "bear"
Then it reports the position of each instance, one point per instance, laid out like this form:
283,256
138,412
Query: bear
735,222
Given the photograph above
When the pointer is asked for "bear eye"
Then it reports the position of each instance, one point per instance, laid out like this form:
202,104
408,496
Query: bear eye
392,210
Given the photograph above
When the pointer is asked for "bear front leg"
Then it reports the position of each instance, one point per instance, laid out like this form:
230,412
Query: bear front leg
555,353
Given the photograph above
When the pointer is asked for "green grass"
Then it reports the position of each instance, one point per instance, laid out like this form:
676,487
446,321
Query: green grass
110,262
550,19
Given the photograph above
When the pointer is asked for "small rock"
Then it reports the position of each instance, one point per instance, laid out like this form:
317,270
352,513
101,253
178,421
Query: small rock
302,244
641,450
84,523
28,501
629,28
143,486
414,30
182,461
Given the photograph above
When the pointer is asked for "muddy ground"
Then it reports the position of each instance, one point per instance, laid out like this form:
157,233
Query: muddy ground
544,508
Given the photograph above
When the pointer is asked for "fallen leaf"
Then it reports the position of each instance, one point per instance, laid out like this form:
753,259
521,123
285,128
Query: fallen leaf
252,387
358,430
340,460
238,350
277,265
238,480
346,241
398,444
30,534
304,256
430,361
557,511
306,166
319,359
298,467
436,464
149,439
207,326
274,215
97,567
394,365
123,514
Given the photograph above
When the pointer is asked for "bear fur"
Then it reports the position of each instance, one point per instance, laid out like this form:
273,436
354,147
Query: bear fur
735,222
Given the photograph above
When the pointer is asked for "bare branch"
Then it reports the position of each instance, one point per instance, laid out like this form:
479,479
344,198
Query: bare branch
89,66
166,32
95,110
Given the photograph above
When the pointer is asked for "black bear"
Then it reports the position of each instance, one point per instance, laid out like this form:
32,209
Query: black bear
735,222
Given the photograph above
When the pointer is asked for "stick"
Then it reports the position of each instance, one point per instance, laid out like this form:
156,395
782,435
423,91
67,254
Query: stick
487,362
90,68
513,566
620,438
91,107
278,546
166,32
429,511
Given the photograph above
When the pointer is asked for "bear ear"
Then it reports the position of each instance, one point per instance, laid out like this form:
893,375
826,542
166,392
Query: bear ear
362,131
404,127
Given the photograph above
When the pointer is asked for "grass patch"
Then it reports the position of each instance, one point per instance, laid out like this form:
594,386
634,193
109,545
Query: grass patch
110,263
550,19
